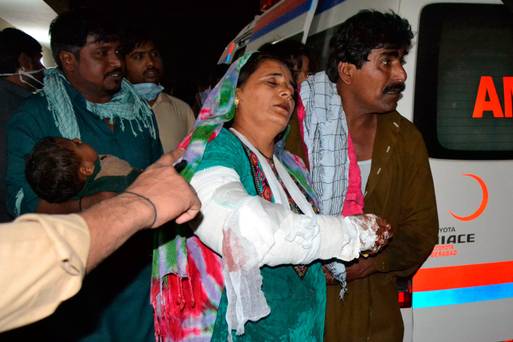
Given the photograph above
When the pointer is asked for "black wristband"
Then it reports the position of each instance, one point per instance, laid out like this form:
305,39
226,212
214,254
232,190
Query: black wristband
180,165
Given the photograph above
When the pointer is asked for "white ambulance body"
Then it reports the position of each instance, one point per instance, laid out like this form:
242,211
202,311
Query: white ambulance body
459,94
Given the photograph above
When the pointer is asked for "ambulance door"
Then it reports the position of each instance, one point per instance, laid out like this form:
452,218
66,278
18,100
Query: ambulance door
463,107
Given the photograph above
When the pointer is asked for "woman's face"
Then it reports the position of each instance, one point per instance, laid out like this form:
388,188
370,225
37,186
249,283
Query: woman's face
266,99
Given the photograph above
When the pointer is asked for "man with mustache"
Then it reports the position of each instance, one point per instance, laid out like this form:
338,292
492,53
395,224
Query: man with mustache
86,98
351,109
145,70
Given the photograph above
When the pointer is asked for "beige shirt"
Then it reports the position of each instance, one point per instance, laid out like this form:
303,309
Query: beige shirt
174,119
42,263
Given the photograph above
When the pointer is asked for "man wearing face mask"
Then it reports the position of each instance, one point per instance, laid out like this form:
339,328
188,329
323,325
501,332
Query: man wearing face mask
20,75
144,69
86,98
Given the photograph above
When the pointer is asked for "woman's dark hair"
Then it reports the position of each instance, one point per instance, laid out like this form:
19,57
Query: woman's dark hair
292,52
13,43
254,62
69,31
52,170
363,32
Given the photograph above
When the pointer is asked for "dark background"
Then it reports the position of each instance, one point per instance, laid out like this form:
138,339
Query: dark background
192,34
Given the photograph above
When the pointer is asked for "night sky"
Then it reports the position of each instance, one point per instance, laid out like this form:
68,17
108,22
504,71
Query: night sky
192,33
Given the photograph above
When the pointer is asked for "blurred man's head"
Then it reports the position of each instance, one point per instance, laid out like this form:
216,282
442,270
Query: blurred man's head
142,58
85,45
20,58
366,59
297,56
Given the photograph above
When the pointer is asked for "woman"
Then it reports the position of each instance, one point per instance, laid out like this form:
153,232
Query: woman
258,213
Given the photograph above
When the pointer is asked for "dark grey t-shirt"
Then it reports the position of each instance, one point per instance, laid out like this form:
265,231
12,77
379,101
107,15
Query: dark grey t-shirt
11,97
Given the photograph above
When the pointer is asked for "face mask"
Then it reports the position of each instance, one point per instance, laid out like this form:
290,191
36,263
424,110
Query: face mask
27,78
148,91
34,82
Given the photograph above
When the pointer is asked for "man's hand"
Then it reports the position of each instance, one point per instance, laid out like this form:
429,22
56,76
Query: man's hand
173,156
362,268
172,196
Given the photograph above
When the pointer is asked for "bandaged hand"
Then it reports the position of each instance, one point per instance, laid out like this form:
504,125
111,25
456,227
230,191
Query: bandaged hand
375,232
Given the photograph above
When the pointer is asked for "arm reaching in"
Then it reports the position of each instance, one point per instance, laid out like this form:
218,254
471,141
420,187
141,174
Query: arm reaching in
43,258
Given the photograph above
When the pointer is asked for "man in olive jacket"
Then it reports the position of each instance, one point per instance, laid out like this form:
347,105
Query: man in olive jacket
366,71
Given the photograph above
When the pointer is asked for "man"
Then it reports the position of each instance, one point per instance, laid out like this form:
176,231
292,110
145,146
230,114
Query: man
20,74
87,98
145,70
365,69
43,258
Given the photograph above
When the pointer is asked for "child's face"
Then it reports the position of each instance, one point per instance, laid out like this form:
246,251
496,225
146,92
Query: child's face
86,153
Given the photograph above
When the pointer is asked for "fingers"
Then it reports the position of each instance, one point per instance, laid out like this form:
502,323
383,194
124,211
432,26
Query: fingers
187,216
178,153
385,229
193,210
384,233
168,158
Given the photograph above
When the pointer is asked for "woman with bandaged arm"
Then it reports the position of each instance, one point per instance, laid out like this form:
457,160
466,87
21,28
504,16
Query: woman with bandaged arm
258,211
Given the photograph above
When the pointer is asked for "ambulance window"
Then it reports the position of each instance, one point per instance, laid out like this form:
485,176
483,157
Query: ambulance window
464,81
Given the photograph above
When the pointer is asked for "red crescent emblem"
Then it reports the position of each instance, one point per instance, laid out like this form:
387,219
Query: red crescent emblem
482,206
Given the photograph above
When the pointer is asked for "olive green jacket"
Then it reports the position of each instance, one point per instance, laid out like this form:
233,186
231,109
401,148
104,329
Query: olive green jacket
400,189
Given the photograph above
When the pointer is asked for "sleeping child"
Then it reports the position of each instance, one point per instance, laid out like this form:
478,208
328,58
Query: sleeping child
60,169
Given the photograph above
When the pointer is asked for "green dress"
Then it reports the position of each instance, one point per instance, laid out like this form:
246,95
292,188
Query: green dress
297,304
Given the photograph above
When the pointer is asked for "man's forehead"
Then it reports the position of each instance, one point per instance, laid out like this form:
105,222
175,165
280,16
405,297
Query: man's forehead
390,51
145,47
93,40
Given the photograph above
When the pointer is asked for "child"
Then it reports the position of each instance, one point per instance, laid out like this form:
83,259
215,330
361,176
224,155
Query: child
60,169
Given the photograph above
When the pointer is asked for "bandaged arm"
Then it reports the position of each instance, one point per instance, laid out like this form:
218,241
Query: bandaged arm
279,235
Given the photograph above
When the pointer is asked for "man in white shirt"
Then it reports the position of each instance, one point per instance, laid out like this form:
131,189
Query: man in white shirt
144,69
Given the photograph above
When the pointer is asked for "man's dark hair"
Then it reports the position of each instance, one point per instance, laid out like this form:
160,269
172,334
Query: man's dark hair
290,51
135,37
52,170
363,32
69,31
13,43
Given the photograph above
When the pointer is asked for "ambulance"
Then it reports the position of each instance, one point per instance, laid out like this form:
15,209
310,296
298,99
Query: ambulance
459,94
